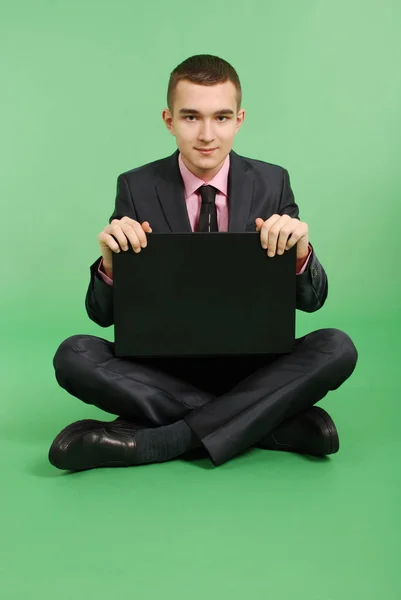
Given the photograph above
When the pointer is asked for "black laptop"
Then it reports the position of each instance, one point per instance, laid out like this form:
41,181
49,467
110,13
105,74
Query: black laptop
203,294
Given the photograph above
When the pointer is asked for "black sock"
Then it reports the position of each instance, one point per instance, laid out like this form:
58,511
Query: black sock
164,443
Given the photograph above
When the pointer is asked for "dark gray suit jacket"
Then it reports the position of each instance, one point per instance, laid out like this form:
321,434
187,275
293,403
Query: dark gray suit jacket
155,192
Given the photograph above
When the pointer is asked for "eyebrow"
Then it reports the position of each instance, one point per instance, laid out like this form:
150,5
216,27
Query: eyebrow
223,111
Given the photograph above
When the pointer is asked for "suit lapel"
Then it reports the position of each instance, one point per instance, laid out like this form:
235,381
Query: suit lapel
170,192
240,192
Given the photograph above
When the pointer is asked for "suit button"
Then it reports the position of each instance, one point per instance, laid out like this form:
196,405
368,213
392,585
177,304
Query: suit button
314,272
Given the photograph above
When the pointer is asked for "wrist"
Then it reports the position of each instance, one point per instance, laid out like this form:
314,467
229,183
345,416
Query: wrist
305,255
107,269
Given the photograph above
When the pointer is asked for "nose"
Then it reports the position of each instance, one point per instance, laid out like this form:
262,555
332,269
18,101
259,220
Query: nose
206,134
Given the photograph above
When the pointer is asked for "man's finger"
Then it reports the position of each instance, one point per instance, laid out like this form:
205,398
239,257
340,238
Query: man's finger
266,237
282,240
146,226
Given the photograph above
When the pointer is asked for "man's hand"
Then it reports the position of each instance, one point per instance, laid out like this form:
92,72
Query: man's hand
275,235
127,232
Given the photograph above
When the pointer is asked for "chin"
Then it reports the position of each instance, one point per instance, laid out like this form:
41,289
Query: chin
211,158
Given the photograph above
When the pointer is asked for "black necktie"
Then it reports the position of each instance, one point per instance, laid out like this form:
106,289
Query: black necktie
208,212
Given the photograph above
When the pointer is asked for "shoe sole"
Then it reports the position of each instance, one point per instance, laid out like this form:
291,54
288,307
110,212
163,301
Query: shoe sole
327,423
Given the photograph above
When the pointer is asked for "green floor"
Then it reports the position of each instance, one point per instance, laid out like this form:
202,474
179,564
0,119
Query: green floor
264,523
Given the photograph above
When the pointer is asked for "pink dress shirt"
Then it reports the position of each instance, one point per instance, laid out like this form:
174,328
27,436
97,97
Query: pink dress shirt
194,201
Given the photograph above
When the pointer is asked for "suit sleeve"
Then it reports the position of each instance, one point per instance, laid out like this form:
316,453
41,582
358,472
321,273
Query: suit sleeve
99,296
312,284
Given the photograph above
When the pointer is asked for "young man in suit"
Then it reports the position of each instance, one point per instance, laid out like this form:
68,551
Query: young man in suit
170,407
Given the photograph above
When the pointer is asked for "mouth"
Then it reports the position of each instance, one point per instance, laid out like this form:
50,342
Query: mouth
206,151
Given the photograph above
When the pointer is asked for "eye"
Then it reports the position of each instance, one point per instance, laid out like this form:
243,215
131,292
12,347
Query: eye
193,117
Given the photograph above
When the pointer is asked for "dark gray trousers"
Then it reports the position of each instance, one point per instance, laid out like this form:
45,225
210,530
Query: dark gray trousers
229,402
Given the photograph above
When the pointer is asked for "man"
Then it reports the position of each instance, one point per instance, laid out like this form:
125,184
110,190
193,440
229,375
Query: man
221,406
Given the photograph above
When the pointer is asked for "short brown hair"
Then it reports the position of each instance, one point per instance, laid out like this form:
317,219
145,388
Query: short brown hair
203,69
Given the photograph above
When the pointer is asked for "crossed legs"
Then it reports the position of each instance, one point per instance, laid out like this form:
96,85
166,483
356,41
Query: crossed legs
230,403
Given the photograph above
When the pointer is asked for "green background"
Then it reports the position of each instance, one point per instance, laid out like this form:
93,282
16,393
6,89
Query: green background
83,87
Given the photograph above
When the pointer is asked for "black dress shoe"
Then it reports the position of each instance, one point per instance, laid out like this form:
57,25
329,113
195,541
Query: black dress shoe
310,432
88,444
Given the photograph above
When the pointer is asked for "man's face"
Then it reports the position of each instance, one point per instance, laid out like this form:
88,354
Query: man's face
204,125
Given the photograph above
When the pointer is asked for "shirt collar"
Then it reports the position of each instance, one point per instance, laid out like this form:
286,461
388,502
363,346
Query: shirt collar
192,182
